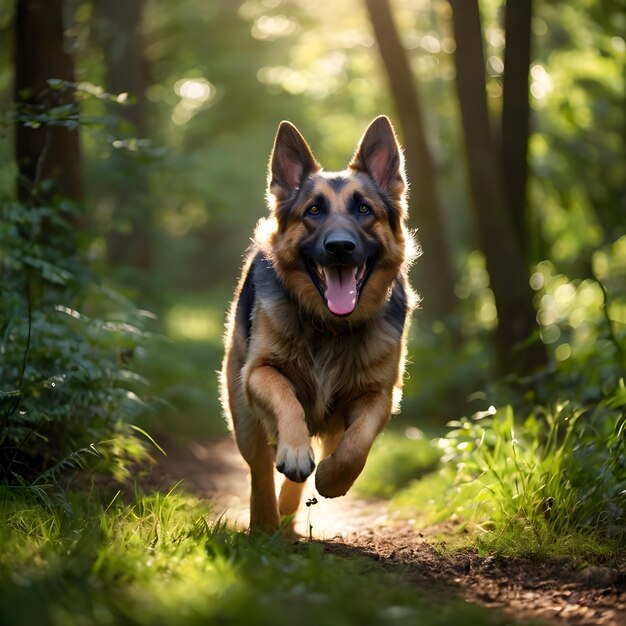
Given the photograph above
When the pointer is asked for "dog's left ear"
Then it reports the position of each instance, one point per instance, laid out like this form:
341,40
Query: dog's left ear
290,162
379,155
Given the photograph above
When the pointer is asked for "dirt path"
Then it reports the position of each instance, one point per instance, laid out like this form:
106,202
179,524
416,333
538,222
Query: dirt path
554,592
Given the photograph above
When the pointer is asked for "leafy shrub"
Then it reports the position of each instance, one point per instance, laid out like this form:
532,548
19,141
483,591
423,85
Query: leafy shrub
66,392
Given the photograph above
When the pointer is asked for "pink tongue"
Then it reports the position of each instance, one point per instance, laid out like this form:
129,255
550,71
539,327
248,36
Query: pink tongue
340,289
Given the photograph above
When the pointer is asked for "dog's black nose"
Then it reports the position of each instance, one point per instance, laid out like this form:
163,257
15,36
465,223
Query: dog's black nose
339,243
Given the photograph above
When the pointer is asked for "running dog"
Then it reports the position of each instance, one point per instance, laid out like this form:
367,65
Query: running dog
316,334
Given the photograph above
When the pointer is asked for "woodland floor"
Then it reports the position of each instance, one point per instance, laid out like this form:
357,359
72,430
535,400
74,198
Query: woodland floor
552,592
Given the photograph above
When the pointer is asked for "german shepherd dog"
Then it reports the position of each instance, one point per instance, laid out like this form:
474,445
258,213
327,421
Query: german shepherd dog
316,334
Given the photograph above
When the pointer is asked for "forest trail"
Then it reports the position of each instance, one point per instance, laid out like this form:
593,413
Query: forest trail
552,592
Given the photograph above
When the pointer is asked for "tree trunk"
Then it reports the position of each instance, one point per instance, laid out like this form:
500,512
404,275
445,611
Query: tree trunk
435,274
515,114
48,153
117,26
118,29
507,270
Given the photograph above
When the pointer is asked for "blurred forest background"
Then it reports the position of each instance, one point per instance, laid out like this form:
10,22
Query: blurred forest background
135,136
134,139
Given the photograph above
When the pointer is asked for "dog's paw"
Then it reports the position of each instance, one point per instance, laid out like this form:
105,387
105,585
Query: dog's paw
333,479
296,464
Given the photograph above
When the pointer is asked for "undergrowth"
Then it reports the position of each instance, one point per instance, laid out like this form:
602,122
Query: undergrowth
555,482
67,391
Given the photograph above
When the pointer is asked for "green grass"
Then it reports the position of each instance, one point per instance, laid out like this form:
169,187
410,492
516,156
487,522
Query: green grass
397,458
551,484
162,559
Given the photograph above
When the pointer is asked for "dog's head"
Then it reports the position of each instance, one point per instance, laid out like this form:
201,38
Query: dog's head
337,239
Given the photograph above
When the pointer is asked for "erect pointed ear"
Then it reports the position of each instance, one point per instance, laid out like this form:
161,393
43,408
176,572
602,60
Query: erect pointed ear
379,155
290,162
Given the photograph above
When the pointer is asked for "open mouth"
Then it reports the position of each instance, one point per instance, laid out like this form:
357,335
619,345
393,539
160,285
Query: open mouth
340,285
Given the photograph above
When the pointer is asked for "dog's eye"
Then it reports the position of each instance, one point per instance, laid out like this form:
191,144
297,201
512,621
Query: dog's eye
313,210
364,209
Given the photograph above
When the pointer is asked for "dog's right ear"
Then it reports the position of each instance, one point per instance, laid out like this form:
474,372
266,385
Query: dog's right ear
291,161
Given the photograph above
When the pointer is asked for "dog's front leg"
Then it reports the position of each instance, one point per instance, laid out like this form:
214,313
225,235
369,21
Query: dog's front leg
367,417
274,401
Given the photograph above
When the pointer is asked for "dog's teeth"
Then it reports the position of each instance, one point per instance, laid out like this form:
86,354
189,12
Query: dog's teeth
355,271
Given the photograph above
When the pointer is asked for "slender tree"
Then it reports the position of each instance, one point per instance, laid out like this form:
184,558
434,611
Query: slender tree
505,263
49,153
117,28
515,113
436,275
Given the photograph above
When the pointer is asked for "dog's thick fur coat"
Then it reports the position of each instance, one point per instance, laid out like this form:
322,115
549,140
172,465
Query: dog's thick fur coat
316,335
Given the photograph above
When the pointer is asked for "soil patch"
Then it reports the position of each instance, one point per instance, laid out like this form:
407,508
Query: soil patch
558,592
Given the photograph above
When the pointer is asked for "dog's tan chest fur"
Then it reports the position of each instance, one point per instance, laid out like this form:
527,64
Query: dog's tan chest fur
328,370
